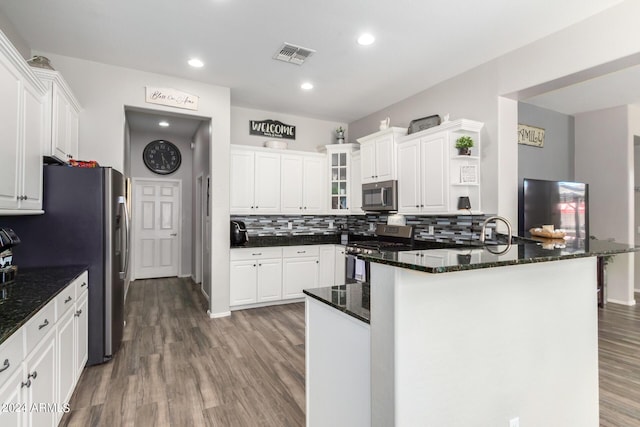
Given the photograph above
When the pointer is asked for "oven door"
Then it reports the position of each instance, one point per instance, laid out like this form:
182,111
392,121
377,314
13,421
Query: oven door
356,270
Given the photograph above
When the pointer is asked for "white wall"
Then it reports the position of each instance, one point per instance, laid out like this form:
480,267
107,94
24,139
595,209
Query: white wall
604,160
16,39
201,162
139,140
310,133
555,61
104,91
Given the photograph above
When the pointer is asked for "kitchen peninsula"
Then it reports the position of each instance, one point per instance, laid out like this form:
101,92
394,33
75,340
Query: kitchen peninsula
460,337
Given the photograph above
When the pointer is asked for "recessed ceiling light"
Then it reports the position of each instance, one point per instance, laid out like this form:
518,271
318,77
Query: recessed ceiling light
164,123
196,63
366,39
306,86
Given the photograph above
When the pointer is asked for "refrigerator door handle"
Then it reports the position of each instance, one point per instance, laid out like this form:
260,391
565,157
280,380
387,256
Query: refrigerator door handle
123,202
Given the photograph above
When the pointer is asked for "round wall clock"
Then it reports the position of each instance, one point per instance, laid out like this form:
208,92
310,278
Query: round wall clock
161,157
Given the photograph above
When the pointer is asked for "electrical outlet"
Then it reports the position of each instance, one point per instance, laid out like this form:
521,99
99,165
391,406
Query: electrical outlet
330,224
514,422
488,233
290,225
432,230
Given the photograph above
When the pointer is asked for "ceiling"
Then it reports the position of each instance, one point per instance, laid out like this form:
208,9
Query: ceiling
418,43
179,124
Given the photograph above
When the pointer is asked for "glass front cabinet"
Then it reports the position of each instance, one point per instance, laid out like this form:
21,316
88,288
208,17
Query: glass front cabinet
341,178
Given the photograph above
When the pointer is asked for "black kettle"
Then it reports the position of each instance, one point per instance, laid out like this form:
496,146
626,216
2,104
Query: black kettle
239,235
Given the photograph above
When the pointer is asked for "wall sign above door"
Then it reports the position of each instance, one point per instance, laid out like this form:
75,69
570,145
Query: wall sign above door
171,97
530,135
272,129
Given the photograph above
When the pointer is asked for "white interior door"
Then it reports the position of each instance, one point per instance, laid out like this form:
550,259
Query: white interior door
156,219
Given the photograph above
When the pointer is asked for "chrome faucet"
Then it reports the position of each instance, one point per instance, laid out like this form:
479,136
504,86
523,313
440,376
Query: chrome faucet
495,218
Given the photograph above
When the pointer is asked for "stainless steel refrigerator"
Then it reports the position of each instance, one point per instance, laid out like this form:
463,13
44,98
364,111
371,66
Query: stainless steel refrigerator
85,222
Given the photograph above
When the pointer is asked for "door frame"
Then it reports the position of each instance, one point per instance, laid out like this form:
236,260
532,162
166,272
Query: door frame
199,218
134,182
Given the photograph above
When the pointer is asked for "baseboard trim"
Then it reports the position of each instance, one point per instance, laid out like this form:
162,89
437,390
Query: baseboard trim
615,301
182,276
218,315
265,304
203,292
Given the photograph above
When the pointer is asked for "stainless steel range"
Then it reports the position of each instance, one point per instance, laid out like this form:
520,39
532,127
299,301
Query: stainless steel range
387,237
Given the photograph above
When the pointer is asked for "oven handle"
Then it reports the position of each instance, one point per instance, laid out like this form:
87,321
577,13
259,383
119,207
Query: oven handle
382,196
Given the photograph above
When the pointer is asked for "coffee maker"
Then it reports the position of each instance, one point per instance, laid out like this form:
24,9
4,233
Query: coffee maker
239,234
8,271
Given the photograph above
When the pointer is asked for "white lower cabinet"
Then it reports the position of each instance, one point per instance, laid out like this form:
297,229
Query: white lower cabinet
340,265
35,389
299,270
255,275
326,273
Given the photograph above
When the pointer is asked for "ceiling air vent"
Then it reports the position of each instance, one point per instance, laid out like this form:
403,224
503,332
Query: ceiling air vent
293,54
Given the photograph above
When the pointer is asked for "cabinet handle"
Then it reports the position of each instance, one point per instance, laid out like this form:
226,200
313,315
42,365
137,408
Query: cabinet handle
422,206
305,207
317,262
252,207
69,298
417,206
259,265
302,252
5,365
256,207
254,265
33,375
27,384
300,207
46,323
83,284
173,234
259,253
78,313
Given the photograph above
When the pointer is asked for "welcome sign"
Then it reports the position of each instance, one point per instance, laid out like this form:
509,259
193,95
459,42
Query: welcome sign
272,129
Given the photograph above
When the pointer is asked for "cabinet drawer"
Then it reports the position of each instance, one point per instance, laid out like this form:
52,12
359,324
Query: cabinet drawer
65,300
255,253
11,355
81,284
39,325
301,251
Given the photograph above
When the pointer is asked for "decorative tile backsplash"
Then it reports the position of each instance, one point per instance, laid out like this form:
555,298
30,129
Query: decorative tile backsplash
445,228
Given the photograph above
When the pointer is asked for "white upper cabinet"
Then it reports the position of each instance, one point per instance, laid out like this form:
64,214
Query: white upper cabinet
21,134
432,176
63,109
344,182
303,178
255,182
378,155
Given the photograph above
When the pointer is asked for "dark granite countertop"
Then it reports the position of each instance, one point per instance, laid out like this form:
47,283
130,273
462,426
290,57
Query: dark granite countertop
290,240
352,299
476,256
31,291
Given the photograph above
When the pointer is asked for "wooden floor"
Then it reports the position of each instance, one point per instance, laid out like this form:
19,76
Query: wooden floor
177,367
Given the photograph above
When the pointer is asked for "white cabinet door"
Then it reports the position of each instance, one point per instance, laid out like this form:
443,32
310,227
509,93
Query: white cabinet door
33,134
385,158
59,124
81,346
326,273
243,281
292,188
409,191
267,183
314,189
355,202
435,184
66,373
11,397
10,90
339,265
41,371
242,182
298,274
368,162
269,280
73,124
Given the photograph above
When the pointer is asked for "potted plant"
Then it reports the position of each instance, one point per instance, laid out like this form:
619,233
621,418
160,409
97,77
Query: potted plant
340,133
464,144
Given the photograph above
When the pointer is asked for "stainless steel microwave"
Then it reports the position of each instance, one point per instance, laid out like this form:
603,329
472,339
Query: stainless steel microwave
380,196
